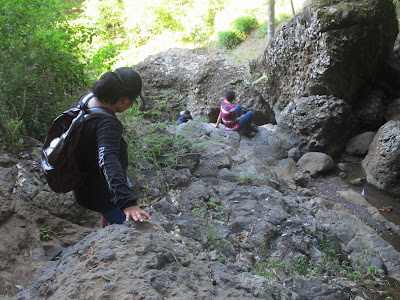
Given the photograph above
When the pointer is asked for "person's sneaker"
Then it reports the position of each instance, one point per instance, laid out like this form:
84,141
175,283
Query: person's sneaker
247,133
253,127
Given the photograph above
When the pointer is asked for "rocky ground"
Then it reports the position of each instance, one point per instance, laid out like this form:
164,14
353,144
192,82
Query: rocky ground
233,229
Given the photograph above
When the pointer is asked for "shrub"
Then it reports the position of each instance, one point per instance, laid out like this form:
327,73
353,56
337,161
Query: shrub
166,20
244,25
112,18
283,17
228,39
262,30
40,71
156,145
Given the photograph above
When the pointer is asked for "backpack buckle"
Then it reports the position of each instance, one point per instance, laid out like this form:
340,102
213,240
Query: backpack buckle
84,100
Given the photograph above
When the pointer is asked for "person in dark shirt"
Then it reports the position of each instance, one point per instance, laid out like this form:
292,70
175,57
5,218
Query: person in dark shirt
104,153
186,116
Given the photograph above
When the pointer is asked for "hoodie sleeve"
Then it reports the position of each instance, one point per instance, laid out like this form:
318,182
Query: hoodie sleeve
109,136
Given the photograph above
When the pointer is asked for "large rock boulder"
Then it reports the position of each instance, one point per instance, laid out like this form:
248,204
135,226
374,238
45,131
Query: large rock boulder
318,51
333,48
382,163
316,123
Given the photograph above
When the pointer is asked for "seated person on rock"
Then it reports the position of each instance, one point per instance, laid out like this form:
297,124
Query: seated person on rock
233,117
186,116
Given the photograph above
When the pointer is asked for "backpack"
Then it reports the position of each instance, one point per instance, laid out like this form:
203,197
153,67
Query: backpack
60,156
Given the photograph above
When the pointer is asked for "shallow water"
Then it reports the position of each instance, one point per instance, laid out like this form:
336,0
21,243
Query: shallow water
388,205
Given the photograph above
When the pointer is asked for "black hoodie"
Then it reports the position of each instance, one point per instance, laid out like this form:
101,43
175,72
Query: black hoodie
103,153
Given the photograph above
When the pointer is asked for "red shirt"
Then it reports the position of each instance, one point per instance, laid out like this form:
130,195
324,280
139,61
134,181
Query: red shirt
228,114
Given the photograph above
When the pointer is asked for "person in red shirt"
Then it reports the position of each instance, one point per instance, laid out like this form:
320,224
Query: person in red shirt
233,117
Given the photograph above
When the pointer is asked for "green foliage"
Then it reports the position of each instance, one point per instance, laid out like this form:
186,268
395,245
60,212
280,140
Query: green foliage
199,18
103,59
213,7
260,79
228,39
246,178
156,144
244,25
329,264
267,268
215,241
262,29
191,20
301,266
112,18
40,71
199,211
165,19
240,28
216,211
166,102
47,233
283,17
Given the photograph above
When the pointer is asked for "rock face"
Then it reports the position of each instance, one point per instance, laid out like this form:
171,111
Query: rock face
393,111
35,223
316,123
156,266
318,53
382,163
188,79
234,230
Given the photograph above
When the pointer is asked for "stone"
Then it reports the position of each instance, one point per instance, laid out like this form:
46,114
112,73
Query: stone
315,162
359,144
354,198
316,47
382,163
316,123
358,181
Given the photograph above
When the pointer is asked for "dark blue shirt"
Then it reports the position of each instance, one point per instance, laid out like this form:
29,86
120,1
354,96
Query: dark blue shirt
183,119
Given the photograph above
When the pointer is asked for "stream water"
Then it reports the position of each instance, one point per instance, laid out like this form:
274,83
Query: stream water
388,205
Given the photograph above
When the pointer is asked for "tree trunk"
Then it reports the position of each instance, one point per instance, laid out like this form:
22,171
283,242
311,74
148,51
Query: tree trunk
293,11
271,19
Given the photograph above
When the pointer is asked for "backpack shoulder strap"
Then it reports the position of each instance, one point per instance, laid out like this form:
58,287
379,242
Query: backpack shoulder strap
84,100
93,111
